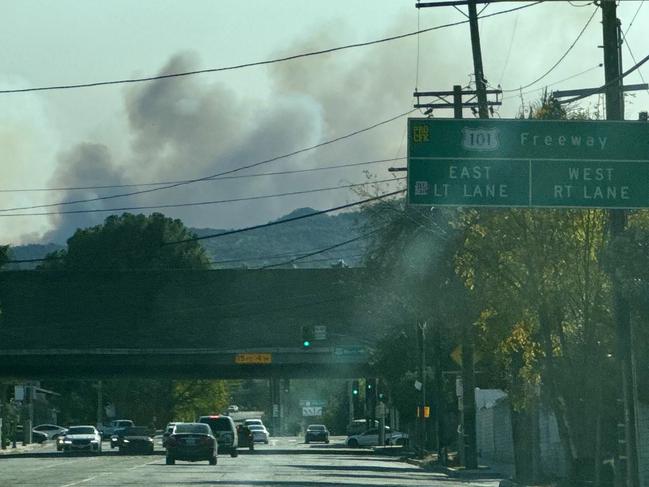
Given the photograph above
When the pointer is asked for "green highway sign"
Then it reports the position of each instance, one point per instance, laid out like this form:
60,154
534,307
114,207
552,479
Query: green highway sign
528,163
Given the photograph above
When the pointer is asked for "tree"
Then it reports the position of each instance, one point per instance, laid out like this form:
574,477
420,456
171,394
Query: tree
129,242
125,243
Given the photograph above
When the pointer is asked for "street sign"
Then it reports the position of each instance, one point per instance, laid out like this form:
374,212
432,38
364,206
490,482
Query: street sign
313,402
349,350
312,411
253,358
528,163
320,332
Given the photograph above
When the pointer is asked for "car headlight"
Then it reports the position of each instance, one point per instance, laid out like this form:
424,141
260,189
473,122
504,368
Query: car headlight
125,441
150,440
67,441
94,441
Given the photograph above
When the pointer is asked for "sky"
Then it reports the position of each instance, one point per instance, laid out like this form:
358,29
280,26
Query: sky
192,127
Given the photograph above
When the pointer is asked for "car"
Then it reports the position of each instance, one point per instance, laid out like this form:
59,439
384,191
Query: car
249,422
135,439
224,431
37,436
115,426
168,430
259,433
316,432
359,426
52,431
244,437
371,438
191,442
82,439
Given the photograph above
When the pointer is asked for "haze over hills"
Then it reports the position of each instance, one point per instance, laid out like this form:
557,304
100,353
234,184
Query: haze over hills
257,248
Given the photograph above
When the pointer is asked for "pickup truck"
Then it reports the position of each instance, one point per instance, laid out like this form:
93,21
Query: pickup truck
114,426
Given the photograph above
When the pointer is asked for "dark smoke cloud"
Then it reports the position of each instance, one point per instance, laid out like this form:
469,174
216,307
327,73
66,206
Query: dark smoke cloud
84,164
187,128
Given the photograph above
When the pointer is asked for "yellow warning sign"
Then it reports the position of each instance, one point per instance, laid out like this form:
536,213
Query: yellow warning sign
253,358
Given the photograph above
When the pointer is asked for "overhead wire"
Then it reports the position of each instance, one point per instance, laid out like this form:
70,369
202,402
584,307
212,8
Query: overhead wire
197,203
597,90
560,60
71,86
287,220
212,176
325,249
239,176
576,75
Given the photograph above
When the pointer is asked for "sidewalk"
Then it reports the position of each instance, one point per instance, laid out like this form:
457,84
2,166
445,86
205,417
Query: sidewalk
20,448
487,472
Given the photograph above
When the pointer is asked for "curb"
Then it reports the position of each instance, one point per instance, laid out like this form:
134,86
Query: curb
460,473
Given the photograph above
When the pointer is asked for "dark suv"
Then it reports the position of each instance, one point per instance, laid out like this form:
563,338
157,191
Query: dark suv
316,432
224,431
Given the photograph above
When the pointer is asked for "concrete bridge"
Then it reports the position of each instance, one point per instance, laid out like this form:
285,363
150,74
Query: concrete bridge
219,324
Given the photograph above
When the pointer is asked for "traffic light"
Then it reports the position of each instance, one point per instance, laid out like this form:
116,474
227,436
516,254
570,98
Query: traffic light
307,336
355,388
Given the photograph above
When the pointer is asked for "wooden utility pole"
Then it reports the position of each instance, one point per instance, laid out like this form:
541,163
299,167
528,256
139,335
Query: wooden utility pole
615,111
480,82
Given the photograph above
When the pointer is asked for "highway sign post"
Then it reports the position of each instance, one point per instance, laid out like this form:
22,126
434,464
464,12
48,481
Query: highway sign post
528,163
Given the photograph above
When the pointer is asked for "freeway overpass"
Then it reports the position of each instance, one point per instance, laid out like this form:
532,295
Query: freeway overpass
219,324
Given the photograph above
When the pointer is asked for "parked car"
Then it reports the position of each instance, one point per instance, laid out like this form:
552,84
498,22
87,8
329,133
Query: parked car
192,442
371,438
359,426
224,431
259,433
115,426
316,432
168,430
37,436
135,439
52,431
244,437
82,439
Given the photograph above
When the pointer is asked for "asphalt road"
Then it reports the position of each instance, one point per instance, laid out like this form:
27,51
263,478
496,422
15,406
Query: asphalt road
286,462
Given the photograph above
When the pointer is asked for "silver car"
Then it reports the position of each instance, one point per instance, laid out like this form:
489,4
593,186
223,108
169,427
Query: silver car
82,439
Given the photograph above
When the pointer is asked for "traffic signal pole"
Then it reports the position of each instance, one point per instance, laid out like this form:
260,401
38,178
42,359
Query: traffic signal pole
617,218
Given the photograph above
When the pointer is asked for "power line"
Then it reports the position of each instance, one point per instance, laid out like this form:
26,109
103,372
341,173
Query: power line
256,63
198,203
287,220
326,249
560,60
576,75
240,176
595,91
212,176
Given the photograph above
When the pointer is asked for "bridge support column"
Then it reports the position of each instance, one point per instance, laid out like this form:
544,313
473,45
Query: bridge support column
275,400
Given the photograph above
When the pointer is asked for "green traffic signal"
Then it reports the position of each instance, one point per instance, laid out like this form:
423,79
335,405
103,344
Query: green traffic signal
306,343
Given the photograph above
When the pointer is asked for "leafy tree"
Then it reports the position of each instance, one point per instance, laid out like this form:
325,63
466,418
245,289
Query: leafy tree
129,242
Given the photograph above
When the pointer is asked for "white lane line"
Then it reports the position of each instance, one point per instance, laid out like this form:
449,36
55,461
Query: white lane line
82,481
142,465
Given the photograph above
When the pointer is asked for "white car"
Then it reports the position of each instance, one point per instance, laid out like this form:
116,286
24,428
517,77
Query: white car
250,422
52,431
82,439
371,438
259,433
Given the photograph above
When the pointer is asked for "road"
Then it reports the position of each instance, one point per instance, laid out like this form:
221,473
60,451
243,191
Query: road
286,462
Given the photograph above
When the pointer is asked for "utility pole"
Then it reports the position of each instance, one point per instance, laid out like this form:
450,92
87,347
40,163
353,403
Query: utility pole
421,343
617,218
100,404
480,82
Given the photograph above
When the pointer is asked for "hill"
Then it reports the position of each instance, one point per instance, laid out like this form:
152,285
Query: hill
265,246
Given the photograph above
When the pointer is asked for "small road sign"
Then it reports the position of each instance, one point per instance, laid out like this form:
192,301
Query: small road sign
320,332
312,411
313,402
253,358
